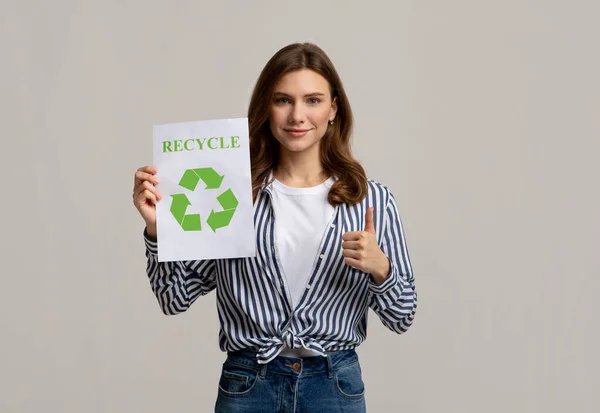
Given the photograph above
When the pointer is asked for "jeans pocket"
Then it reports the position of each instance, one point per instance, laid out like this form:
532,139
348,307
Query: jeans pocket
349,382
237,380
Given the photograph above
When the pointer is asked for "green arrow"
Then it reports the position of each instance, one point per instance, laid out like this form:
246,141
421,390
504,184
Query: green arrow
219,219
213,180
189,180
179,205
191,223
228,200
210,177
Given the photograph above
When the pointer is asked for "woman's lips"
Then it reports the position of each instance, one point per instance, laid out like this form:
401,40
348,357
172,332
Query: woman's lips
297,133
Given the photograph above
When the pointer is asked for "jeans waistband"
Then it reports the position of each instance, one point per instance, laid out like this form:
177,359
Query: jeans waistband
293,365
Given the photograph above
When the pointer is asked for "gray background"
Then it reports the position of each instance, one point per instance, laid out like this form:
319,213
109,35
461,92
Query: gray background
481,116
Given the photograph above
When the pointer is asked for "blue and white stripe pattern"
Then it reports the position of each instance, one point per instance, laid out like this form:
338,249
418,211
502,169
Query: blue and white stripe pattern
254,304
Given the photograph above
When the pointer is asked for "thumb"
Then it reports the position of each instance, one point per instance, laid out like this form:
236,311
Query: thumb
369,225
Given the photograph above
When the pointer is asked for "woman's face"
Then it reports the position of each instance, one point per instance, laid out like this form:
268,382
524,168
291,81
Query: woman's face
301,110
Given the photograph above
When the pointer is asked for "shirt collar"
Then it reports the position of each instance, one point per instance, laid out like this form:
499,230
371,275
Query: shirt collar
267,184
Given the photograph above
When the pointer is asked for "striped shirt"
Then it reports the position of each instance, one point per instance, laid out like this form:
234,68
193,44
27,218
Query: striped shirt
253,301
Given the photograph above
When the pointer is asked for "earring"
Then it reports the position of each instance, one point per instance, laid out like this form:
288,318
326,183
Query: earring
331,122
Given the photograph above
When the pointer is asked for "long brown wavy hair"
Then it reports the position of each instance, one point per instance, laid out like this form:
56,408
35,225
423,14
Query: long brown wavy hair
351,185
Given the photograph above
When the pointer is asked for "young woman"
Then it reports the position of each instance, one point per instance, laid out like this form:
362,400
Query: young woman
330,245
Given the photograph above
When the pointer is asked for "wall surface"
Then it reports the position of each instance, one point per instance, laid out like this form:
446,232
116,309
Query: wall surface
481,116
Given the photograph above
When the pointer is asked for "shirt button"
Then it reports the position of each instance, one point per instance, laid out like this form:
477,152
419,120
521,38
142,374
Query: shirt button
322,256
308,287
296,366
332,225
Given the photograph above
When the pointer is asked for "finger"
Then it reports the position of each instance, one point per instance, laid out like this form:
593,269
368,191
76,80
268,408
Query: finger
369,224
147,196
352,262
146,186
149,187
149,169
354,254
142,199
138,189
145,174
353,245
352,235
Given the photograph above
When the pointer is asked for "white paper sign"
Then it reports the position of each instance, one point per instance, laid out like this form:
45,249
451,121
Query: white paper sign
204,173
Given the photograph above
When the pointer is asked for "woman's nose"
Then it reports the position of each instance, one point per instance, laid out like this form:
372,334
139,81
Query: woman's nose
297,114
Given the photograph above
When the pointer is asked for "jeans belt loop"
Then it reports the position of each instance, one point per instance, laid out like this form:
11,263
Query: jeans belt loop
329,366
263,371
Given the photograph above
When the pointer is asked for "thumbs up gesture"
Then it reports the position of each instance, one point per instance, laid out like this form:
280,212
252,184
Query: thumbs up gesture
361,251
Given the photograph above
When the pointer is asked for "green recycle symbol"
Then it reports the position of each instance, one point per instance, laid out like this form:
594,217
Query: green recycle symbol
191,222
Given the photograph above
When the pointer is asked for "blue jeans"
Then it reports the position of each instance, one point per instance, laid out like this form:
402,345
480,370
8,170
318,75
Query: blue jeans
291,385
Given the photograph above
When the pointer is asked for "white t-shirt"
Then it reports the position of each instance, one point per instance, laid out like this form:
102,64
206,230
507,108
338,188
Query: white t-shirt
301,217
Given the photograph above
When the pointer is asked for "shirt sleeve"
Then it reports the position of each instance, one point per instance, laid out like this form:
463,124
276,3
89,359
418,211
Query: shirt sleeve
394,300
177,284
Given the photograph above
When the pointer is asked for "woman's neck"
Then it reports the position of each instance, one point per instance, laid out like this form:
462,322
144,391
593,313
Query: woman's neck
299,171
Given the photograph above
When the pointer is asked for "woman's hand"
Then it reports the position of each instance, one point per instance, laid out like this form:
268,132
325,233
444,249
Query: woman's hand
362,252
145,196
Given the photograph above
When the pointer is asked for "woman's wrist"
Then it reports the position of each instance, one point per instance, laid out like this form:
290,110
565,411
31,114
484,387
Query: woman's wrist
383,273
151,231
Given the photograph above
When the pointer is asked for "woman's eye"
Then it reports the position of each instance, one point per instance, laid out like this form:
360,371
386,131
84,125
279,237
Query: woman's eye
282,100
313,101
